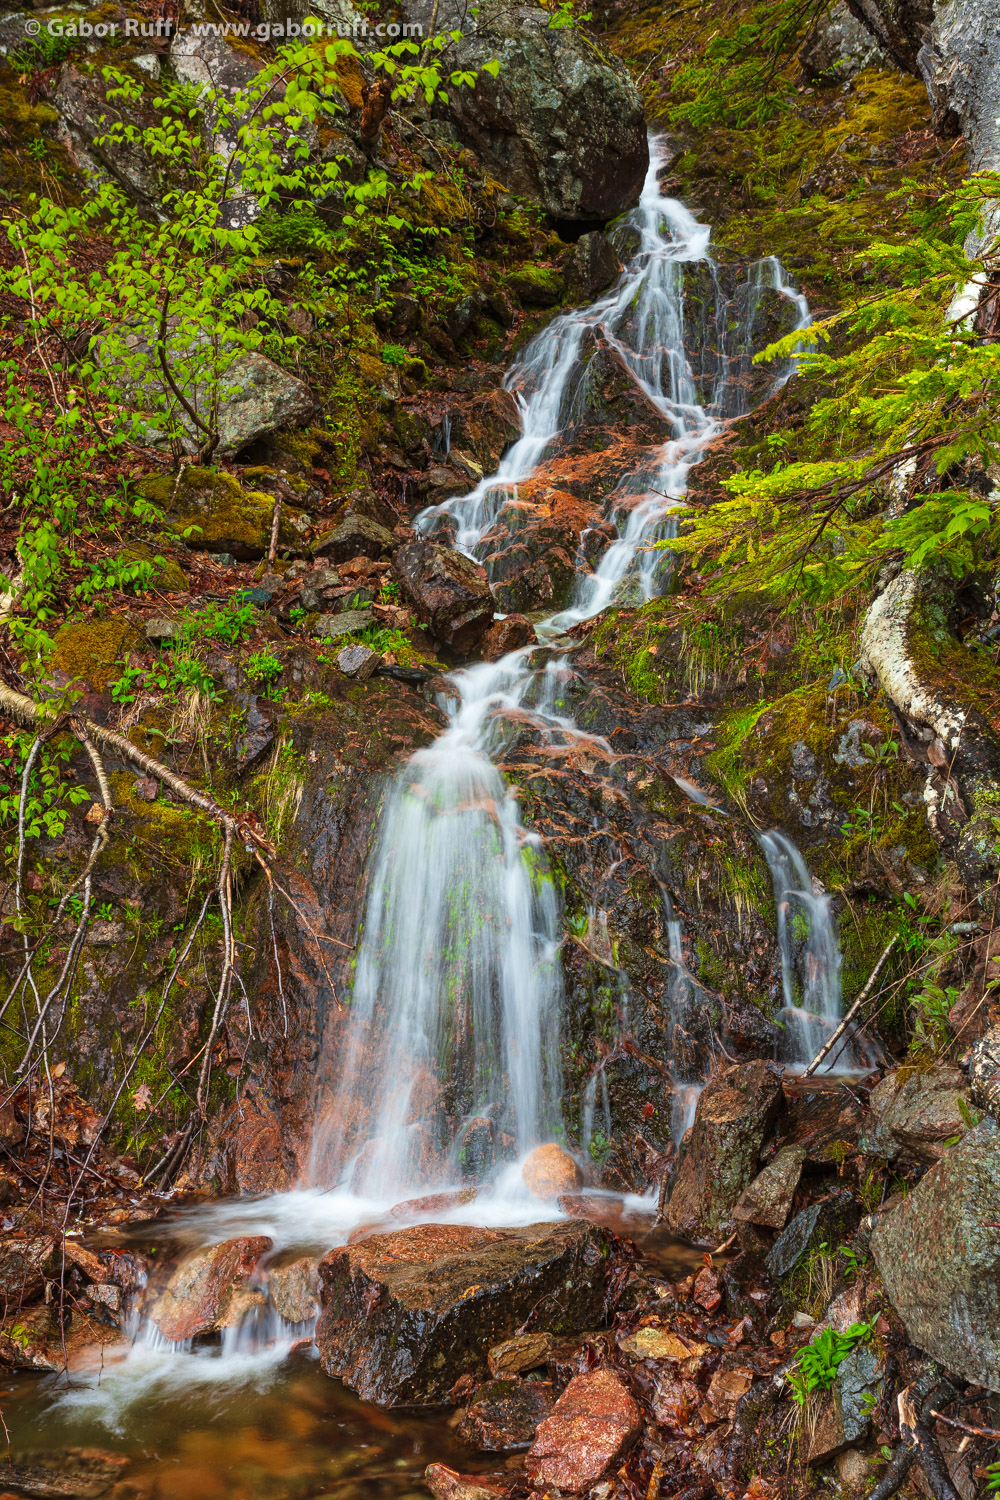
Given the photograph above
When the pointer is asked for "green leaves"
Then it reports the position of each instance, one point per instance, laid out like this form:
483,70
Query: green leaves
908,395
818,1362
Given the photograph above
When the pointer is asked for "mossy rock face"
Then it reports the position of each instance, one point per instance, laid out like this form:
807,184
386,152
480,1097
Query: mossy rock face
212,512
92,651
536,286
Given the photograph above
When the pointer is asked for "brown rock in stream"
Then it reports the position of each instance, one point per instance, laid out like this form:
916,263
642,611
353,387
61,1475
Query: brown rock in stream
734,1114
448,1484
294,1289
592,1426
199,1289
449,592
549,1171
23,1263
405,1314
506,1413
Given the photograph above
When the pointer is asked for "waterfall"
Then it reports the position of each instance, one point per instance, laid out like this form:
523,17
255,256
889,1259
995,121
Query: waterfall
810,961
455,1009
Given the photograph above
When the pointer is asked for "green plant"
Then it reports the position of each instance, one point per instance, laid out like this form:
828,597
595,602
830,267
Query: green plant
262,667
51,792
898,381
816,1364
394,354
993,1477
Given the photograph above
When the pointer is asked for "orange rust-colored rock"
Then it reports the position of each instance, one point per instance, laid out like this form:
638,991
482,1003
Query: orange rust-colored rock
591,1428
196,1295
549,1171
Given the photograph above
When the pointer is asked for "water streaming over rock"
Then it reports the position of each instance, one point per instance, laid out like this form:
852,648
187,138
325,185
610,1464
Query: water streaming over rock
810,962
455,1013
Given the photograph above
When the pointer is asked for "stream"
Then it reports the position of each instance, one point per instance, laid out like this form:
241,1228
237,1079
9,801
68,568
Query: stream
458,984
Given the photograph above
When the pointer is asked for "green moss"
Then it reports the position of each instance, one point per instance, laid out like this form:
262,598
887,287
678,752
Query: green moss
212,511
536,285
91,651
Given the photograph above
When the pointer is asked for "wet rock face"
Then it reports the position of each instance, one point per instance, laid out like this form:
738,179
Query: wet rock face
912,1115
733,1117
449,592
839,47
939,1257
195,1299
592,1426
405,1314
23,1263
562,123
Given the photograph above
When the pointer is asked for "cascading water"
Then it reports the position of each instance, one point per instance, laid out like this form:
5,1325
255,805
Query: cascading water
810,962
456,998
455,1010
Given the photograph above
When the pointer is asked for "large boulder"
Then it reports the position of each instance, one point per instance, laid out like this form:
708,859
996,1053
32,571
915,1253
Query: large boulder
734,1114
562,123
913,1114
898,26
405,1314
449,592
939,1256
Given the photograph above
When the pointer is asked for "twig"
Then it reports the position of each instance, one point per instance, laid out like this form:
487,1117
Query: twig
272,546
838,1031
980,1432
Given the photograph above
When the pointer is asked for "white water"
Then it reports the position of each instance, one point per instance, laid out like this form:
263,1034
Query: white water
455,1009
810,963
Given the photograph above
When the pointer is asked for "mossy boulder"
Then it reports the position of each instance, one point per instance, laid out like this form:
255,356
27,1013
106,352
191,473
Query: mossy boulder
212,512
536,286
92,651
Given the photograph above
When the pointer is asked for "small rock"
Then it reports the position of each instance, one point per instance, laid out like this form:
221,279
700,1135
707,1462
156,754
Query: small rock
294,1289
911,1115
831,1221
844,1413
591,1428
853,1468
161,632
449,592
260,598
351,622
726,1389
360,662
506,635
802,1320
106,1298
242,1303
355,536
660,1343
515,1356
768,1199
506,1413
448,1484
549,1171
24,1263
146,788
224,559
433,1203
